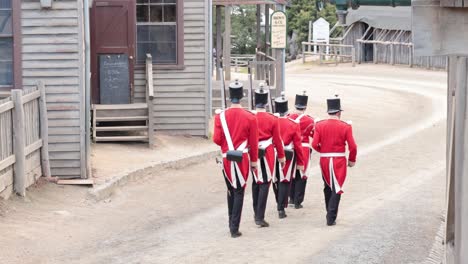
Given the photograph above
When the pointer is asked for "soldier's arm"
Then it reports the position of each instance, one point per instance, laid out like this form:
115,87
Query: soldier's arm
311,128
298,148
278,142
217,131
351,144
253,141
316,141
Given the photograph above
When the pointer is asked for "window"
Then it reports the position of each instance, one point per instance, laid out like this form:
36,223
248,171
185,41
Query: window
6,43
158,23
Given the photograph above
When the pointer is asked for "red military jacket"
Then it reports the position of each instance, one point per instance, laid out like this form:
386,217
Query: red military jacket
268,127
243,128
269,131
307,125
291,134
330,139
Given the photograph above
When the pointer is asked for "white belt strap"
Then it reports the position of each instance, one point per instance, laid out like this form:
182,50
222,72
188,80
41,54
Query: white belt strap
300,117
242,147
290,146
306,145
265,143
226,130
332,155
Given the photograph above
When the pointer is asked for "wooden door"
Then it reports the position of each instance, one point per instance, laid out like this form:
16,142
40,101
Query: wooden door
113,26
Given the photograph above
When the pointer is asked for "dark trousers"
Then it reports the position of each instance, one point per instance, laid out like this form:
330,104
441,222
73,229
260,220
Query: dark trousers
332,202
260,198
281,190
235,199
260,194
298,187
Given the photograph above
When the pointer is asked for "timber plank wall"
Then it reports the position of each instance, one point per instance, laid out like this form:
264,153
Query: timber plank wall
181,98
52,51
402,53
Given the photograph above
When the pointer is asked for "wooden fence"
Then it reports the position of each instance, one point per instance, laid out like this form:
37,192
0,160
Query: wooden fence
24,153
337,51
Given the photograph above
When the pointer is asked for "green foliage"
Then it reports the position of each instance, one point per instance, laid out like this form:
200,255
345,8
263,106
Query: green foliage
300,12
243,22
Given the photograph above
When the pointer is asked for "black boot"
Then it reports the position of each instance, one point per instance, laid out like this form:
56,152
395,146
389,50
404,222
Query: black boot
282,214
298,206
262,223
235,234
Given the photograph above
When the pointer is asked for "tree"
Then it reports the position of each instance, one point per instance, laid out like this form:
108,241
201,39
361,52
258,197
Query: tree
300,12
243,22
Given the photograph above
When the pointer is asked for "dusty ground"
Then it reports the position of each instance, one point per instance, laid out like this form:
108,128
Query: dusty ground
390,211
110,160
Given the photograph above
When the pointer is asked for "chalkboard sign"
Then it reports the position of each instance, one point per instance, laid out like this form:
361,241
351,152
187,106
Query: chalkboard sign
114,79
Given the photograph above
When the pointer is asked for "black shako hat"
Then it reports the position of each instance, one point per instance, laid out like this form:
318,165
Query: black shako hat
236,91
261,97
281,104
334,105
301,101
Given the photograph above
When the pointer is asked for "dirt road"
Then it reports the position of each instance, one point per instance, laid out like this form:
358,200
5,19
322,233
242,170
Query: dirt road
390,212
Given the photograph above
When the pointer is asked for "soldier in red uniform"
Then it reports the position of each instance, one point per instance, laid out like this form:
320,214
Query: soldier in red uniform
306,122
236,132
269,141
330,139
291,135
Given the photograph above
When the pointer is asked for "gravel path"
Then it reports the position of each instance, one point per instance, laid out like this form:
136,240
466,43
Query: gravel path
390,211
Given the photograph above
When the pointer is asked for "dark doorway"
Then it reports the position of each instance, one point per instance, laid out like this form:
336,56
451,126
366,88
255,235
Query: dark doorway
368,47
113,26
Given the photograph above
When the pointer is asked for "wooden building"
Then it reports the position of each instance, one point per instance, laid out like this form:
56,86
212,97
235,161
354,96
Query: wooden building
383,35
46,43
38,43
176,34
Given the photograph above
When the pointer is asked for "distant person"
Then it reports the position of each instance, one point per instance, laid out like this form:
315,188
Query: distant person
236,132
330,139
307,124
269,141
291,136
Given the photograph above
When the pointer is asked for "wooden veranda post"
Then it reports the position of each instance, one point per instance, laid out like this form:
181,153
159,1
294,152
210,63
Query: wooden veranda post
227,43
218,41
258,68
149,99
45,161
19,142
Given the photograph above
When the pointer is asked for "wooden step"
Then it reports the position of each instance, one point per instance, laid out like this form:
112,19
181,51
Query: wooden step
120,106
122,128
122,138
123,118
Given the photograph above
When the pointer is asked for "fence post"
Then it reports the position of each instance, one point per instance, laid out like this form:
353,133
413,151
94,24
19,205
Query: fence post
18,143
410,56
320,56
359,52
353,56
303,53
45,163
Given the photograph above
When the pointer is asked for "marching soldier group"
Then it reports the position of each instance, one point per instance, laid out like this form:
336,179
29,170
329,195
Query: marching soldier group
276,149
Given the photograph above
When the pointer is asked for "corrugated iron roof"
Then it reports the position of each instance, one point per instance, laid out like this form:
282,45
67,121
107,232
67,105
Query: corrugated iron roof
393,18
249,2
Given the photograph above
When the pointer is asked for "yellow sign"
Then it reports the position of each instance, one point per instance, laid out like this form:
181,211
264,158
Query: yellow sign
278,30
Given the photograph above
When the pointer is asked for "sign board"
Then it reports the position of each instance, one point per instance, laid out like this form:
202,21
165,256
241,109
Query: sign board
114,79
279,23
321,31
